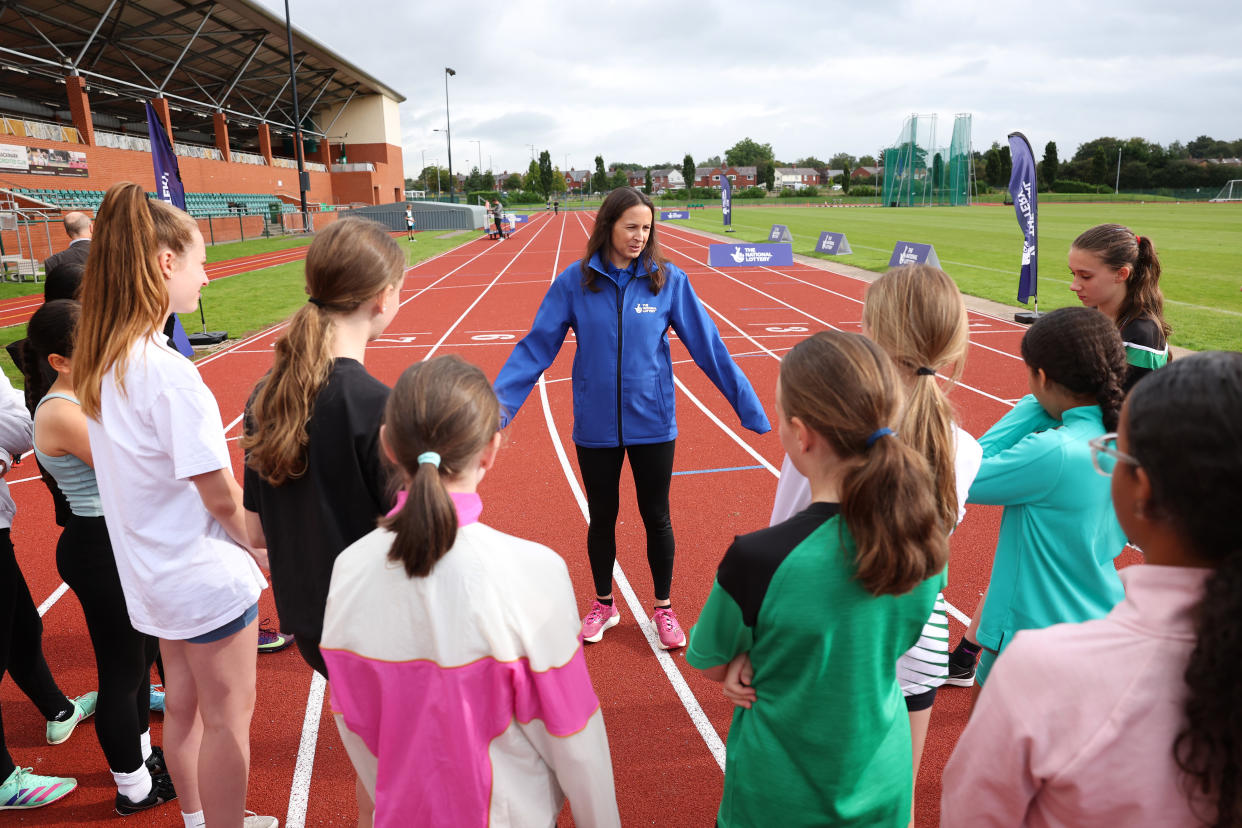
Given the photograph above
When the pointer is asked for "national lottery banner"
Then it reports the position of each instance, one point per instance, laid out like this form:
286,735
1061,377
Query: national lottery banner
749,255
726,200
665,215
168,188
1023,187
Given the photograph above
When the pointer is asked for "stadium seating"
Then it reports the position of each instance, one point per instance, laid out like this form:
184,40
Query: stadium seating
199,205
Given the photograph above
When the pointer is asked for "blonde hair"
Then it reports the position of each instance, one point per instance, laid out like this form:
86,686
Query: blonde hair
844,387
916,314
347,265
123,294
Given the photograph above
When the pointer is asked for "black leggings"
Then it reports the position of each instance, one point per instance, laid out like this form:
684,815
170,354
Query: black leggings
21,646
123,656
499,229
652,466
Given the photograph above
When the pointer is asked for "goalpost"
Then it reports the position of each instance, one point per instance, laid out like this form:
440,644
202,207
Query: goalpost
1232,191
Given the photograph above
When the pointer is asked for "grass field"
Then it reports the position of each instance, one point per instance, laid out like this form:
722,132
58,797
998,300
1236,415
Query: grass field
981,247
249,302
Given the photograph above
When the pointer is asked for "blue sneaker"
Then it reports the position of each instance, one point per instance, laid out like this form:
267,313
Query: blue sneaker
24,789
157,698
83,708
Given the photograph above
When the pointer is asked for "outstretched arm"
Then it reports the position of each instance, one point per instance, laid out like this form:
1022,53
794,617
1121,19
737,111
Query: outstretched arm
535,352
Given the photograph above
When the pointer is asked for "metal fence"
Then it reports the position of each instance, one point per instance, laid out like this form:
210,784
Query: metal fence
428,215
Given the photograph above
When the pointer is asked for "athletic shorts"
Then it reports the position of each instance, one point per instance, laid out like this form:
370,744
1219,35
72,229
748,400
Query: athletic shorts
235,626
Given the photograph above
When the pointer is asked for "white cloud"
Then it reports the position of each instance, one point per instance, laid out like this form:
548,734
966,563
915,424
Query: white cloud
647,81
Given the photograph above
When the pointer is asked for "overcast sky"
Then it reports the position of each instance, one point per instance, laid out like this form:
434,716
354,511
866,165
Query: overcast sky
647,81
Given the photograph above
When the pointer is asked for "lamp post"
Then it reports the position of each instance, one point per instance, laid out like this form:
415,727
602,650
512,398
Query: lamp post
436,161
1117,186
448,129
297,125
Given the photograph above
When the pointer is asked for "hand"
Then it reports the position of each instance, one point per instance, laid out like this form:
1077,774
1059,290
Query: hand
260,557
736,684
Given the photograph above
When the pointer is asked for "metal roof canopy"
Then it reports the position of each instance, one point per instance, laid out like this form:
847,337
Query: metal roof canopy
227,56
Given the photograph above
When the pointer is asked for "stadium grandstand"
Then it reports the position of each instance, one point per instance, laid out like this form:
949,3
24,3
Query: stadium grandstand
74,79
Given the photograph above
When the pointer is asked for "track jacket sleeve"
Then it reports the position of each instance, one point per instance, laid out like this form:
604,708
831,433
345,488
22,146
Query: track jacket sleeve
16,429
1022,457
702,340
556,706
535,352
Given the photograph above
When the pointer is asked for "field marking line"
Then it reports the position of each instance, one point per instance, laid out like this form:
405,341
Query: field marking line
299,790
53,598
483,293
688,700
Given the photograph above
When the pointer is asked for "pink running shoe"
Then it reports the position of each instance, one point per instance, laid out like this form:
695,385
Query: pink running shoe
600,618
671,634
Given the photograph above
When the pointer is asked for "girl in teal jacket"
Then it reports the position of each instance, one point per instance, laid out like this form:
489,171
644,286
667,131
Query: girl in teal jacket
1058,534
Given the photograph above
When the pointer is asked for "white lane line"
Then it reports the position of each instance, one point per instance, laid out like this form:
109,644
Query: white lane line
53,598
701,723
299,792
483,293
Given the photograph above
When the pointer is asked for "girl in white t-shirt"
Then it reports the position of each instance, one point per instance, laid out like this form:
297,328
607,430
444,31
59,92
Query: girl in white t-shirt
916,314
172,506
458,677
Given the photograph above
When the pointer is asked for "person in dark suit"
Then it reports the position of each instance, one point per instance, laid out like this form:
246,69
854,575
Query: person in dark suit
62,277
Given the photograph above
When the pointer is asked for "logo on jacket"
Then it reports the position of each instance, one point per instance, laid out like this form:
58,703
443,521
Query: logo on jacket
643,307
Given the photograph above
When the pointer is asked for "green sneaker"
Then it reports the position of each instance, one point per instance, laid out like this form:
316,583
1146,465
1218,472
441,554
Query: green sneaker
83,707
24,789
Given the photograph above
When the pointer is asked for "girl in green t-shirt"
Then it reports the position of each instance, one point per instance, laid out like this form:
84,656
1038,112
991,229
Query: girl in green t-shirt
850,580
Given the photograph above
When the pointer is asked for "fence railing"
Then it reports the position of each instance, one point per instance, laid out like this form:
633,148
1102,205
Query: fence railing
198,151
248,158
361,166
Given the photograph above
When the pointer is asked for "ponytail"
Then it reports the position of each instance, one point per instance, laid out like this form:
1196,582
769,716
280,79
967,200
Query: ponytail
916,314
347,264
49,331
1184,427
123,294
441,414
844,387
1080,349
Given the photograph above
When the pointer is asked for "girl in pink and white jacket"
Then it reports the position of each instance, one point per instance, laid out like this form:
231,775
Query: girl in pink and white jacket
458,677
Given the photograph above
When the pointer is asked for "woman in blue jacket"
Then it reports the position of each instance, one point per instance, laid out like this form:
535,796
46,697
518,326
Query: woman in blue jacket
620,300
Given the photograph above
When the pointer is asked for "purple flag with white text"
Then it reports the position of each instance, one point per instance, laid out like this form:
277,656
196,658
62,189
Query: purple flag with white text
726,199
1024,187
168,188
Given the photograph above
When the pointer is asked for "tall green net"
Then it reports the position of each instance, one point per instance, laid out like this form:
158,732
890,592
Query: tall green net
919,173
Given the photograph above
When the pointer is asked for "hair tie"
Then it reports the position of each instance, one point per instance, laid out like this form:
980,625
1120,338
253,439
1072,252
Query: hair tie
924,371
316,302
429,457
877,434
1138,239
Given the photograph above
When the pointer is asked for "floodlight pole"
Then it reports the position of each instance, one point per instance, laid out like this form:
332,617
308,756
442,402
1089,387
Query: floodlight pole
1117,186
448,129
297,125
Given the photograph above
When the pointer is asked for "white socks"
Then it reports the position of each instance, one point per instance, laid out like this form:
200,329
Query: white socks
145,740
134,786
194,820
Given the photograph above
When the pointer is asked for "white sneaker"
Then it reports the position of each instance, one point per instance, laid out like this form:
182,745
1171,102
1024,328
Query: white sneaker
253,820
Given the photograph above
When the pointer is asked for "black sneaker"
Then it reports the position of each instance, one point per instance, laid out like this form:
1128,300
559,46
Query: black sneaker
161,792
960,676
155,762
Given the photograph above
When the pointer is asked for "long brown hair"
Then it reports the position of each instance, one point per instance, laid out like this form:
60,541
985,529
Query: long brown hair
650,260
845,388
1119,247
445,406
347,264
124,297
916,314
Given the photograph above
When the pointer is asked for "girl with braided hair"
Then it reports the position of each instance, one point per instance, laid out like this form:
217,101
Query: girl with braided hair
1153,736
1058,536
1117,272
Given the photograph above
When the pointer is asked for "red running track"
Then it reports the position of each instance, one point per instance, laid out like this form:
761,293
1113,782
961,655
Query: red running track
666,724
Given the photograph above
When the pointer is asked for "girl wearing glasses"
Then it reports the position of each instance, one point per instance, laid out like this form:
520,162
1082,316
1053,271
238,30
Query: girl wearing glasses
1058,536
1157,680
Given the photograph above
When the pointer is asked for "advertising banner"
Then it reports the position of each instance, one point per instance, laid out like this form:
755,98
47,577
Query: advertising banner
833,243
906,253
749,255
1024,188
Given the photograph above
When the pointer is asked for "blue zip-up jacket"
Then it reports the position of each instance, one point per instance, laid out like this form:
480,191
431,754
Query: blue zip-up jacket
622,373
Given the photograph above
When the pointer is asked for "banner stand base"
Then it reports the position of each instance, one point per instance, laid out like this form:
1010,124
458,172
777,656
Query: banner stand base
1021,317
729,230
199,340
